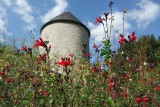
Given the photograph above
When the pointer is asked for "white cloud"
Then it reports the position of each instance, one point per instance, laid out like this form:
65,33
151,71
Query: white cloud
146,12
3,20
7,2
24,9
61,6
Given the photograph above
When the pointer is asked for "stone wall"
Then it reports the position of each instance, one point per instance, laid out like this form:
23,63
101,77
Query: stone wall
66,38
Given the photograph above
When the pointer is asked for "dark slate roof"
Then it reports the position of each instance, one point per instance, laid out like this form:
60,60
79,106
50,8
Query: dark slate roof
65,17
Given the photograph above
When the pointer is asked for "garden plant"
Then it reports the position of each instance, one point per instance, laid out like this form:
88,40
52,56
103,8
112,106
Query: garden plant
127,77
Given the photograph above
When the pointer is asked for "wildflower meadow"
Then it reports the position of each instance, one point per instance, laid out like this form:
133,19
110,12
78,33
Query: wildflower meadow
126,77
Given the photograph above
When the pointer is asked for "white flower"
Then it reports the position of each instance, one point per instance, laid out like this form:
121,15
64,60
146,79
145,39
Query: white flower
127,58
122,52
145,63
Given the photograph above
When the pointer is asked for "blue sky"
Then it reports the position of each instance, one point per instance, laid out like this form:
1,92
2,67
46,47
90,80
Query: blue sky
17,16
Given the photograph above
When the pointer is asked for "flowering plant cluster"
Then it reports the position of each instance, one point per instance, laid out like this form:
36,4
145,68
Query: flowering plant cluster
131,78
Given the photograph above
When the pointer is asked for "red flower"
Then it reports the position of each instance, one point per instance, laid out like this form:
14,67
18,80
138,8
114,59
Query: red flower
152,79
103,74
38,62
42,57
122,39
49,46
138,99
145,99
94,69
133,37
151,69
97,69
111,83
12,64
130,60
141,81
9,80
125,76
24,48
80,68
6,66
64,62
94,46
45,93
40,42
124,93
98,20
109,63
88,55
100,89
147,82
1,97
105,103
71,54
2,73
158,88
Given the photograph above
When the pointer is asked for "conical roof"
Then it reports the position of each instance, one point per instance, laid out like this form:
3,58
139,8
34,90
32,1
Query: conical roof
65,17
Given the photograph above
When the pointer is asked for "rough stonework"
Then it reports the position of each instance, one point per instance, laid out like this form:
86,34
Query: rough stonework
66,34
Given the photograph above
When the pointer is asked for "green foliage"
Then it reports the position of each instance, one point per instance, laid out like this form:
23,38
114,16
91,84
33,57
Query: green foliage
106,51
39,84
146,49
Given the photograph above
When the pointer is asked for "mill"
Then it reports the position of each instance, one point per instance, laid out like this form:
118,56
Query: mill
66,34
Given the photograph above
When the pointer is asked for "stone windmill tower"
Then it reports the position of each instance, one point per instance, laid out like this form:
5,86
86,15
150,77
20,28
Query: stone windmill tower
66,34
